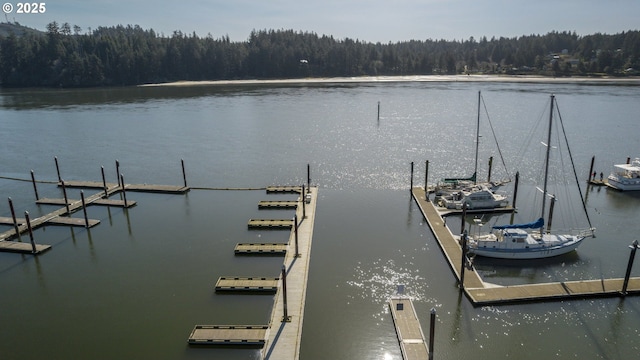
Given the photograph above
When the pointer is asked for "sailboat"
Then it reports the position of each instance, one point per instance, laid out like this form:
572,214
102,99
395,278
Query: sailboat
454,193
530,240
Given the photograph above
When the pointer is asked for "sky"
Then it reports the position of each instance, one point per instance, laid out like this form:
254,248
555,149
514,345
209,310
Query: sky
366,20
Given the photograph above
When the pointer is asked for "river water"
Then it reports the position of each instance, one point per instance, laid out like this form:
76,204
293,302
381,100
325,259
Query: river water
135,285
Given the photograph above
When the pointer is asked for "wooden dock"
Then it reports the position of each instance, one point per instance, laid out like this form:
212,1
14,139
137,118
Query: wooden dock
410,336
104,202
286,204
482,293
228,335
284,189
283,224
247,284
168,189
21,247
261,249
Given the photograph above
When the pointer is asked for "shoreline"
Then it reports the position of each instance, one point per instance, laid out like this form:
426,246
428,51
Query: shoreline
412,78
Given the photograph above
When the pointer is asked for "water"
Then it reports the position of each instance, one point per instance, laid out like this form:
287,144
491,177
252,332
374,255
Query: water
135,285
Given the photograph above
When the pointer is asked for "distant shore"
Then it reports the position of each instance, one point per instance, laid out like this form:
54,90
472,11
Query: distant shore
417,78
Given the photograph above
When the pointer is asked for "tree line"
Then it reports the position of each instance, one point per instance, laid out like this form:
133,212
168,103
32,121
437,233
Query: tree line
63,56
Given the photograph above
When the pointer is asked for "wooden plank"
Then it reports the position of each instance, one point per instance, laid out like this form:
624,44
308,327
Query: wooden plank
270,223
251,284
21,247
261,249
171,189
9,221
228,335
265,204
408,329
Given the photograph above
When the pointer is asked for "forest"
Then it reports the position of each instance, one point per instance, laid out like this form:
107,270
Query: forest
66,56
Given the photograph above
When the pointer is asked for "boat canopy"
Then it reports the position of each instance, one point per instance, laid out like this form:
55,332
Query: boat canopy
532,225
455,180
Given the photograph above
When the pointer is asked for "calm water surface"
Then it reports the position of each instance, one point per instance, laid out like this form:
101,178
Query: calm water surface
135,285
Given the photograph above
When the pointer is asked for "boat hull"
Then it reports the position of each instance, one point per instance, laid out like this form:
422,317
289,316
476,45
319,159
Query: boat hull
530,253
629,185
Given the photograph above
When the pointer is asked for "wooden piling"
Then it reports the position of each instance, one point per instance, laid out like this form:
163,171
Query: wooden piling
632,256
84,209
432,327
426,177
304,211
104,182
515,189
295,229
33,243
57,169
124,193
15,221
490,166
411,186
118,171
35,188
378,110
184,174
464,258
464,216
285,317
551,205
593,160
308,177
66,200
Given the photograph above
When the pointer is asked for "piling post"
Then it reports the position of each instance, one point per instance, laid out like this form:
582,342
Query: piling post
118,171
628,160
378,110
104,182
15,221
84,209
411,186
35,188
124,193
432,328
593,160
285,317
304,211
426,177
295,230
33,243
490,166
634,247
515,189
57,169
464,216
66,200
464,259
184,174
308,177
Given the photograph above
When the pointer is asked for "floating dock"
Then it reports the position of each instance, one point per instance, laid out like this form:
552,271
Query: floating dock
286,204
483,293
261,249
283,224
228,335
410,336
168,189
247,284
284,189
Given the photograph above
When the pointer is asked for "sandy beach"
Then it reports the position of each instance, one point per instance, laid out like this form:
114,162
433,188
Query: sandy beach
416,78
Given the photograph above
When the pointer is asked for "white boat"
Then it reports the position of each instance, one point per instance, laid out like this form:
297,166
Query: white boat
625,177
475,197
530,240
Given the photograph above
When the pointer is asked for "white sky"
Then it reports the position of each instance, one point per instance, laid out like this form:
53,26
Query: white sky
366,20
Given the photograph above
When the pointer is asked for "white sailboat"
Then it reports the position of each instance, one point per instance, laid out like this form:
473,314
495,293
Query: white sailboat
530,240
453,193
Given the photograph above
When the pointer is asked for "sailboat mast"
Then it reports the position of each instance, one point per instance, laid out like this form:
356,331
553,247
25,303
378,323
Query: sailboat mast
475,169
546,161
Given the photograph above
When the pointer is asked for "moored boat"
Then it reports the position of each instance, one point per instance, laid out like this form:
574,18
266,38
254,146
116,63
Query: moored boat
625,177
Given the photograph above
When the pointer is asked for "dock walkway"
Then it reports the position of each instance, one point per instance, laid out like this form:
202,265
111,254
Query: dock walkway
410,336
482,293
